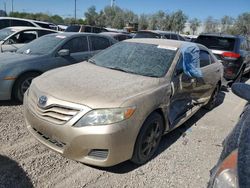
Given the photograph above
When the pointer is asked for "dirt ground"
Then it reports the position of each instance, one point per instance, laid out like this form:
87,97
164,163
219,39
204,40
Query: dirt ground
184,159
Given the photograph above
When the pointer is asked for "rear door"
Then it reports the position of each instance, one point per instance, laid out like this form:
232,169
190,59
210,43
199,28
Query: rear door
98,43
210,69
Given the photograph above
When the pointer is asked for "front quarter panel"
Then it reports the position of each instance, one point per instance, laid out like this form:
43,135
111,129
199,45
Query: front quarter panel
148,102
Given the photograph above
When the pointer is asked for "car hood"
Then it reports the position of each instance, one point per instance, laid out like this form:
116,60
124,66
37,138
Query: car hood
9,58
93,86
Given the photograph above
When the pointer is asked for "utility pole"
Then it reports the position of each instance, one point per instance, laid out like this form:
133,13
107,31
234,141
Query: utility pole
12,6
112,3
4,4
75,11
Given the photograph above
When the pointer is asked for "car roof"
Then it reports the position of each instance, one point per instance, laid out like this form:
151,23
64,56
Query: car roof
24,19
20,28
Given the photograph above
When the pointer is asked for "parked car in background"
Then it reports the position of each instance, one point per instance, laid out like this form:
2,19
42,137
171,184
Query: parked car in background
11,21
158,34
117,36
233,168
117,106
50,51
233,51
85,28
12,38
190,38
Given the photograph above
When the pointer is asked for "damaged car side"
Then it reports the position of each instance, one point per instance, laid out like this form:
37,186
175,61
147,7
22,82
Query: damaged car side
119,104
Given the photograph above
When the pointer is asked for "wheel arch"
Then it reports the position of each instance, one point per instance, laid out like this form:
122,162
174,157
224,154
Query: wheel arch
21,75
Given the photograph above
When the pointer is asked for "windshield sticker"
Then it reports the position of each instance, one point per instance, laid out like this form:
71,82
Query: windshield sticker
60,36
166,47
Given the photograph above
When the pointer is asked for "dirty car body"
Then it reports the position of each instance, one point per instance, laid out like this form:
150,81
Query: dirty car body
117,106
46,53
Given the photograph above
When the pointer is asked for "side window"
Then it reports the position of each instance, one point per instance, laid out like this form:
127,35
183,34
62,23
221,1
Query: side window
23,37
174,37
79,44
87,29
4,23
168,36
99,43
21,23
44,32
96,30
204,58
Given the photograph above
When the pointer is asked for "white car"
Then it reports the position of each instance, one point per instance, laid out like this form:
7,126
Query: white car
12,38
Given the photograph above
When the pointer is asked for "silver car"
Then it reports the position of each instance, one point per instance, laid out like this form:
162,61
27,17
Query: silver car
48,52
12,38
117,106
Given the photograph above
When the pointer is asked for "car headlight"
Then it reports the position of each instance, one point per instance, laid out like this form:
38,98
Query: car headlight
227,176
105,116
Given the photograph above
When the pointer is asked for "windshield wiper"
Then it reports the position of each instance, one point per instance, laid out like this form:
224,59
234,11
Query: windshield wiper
119,69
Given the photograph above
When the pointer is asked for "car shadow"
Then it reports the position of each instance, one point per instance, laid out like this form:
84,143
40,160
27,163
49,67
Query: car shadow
10,103
167,140
12,175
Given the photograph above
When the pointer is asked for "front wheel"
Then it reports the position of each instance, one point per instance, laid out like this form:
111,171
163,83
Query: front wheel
22,84
148,139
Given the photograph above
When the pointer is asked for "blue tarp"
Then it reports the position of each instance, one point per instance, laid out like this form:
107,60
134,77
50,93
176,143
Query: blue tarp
191,60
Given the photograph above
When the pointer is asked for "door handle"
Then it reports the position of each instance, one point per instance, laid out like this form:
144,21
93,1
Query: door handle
218,70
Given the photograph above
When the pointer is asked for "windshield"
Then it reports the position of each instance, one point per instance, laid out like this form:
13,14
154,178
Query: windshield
43,45
6,32
73,28
217,43
137,58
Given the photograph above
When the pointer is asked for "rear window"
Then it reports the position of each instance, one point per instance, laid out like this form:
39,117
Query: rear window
73,28
147,35
217,43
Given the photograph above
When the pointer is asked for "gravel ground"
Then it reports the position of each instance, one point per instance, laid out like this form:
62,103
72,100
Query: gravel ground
184,159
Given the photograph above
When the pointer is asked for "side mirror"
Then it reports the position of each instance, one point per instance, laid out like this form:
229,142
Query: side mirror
64,53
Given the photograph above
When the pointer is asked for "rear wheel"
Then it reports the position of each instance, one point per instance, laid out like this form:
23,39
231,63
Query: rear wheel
212,101
22,84
148,139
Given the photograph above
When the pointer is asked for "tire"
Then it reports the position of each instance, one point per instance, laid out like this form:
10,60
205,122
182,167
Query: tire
212,101
148,139
22,84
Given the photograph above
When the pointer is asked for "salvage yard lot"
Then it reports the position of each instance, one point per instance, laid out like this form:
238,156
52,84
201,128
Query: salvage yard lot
184,159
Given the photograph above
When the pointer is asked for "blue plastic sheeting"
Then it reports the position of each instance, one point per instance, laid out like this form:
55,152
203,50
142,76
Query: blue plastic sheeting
191,60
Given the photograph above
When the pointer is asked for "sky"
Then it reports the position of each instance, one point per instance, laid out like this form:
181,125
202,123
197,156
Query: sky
200,9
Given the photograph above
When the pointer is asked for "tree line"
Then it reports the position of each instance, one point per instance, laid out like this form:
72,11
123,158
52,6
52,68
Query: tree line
116,17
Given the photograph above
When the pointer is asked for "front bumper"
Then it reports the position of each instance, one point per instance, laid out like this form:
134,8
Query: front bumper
95,145
6,89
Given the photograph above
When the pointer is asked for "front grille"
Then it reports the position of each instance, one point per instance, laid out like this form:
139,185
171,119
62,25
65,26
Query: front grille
54,113
55,142
99,153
